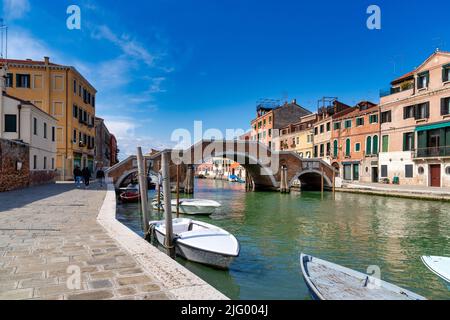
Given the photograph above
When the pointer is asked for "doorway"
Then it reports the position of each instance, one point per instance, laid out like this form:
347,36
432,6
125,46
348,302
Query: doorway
435,175
375,177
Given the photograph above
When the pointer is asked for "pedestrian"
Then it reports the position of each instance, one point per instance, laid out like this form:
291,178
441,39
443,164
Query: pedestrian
86,176
77,176
101,176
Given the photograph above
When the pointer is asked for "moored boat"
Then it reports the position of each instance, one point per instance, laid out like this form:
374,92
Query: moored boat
329,281
439,266
191,206
129,196
200,242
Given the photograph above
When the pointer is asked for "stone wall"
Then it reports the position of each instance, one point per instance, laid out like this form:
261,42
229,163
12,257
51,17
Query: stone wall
11,153
42,177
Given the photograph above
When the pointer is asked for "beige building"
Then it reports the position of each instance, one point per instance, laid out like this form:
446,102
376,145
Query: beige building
415,125
298,137
66,95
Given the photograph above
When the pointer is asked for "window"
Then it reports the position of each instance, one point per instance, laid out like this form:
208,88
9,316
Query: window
373,118
259,125
385,147
45,130
35,126
316,151
423,111
348,148
79,90
328,149
348,172
75,86
53,163
298,140
316,131
264,123
10,123
322,129
337,125
446,73
322,150
369,146
270,132
408,112
375,145
9,80
358,147
359,122
328,126
408,141
270,120
335,148
445,106
386,117
348,124
423,80
384,171
74,136
53,134
45,163
409,168
34,162
93,102
75,111
22,80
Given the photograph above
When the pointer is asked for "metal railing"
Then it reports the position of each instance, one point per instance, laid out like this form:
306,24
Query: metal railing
390,91
432,152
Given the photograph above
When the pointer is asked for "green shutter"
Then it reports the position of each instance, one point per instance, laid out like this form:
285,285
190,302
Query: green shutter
404,141
348,148
369,146
385,143
375,145
335,148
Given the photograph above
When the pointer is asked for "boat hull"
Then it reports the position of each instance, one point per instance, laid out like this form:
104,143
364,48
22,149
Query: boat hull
212,259
128,197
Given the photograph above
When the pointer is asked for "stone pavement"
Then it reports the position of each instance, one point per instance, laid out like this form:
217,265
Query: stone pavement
46,230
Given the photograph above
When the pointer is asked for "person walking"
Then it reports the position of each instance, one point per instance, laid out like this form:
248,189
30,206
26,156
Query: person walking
101,176
86,177
77,176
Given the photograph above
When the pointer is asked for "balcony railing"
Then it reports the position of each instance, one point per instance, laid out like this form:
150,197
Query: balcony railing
390,91
432,152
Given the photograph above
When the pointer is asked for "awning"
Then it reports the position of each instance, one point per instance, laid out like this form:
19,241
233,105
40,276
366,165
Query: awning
348,163
433,126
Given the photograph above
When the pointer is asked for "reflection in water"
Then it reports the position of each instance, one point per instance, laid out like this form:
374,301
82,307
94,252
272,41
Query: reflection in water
355,230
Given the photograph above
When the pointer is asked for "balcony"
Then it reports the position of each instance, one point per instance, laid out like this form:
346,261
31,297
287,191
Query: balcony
433,152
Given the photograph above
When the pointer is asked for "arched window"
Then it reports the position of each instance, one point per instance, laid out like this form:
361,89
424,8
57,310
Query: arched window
348,148
335,149
369,146
375,145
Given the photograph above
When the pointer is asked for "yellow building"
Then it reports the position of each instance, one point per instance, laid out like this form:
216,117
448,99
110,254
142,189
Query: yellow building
64,93
298,137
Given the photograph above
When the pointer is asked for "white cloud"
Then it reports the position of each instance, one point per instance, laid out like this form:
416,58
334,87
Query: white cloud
35,49
15,9
128,46
155,86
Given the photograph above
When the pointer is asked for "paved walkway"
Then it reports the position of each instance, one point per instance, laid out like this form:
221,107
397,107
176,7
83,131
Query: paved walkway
404,190
46,230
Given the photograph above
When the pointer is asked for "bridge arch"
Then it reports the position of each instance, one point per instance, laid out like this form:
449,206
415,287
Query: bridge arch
312,179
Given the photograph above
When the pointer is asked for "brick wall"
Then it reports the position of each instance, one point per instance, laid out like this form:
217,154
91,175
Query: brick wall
10,153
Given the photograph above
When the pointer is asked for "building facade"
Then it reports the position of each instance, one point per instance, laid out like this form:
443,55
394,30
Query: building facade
269,121
328,109
356,143
103,152
415,129
66,95
114,151
298,137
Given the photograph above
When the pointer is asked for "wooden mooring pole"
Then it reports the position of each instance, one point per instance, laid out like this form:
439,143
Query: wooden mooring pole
168,243
158,190
143,189
322,187
334,185
178,190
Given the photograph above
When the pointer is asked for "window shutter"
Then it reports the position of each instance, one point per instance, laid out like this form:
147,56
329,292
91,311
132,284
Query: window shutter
404,142
427,110
404,113
444,74
417,112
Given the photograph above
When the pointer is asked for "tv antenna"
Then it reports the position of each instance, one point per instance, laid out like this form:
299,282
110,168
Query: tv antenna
3,40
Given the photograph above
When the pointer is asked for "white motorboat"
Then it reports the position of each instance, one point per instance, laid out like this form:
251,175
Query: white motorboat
329,281
191,206
439,266
200,242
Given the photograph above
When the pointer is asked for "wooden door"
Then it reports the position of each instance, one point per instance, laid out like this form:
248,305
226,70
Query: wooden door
435,175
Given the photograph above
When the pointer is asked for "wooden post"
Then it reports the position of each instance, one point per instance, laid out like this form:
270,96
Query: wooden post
168,243
334,185
286,182
143,189
178,190
158,190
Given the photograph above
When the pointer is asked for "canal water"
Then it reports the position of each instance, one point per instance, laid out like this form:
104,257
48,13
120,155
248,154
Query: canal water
356,231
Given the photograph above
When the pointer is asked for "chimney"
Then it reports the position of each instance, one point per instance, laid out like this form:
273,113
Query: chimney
294,101
47,60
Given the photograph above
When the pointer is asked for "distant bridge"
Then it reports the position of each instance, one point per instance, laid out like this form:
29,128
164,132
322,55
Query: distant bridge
263,165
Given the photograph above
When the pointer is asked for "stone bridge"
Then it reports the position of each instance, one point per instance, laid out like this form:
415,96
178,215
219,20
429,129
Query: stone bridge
264,167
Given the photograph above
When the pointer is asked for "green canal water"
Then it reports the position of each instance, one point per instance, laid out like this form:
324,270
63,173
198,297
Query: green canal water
356,231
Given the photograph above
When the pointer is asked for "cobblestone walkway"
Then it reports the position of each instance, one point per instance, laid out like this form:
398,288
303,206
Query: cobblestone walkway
46,230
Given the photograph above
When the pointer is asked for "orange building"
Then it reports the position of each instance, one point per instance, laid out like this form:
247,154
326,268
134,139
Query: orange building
356,143
270,120
65,94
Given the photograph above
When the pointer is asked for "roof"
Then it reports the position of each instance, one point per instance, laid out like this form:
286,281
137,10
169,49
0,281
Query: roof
28,103
404,77
29,61
355,111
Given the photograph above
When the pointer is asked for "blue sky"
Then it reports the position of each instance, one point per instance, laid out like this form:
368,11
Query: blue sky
160,65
